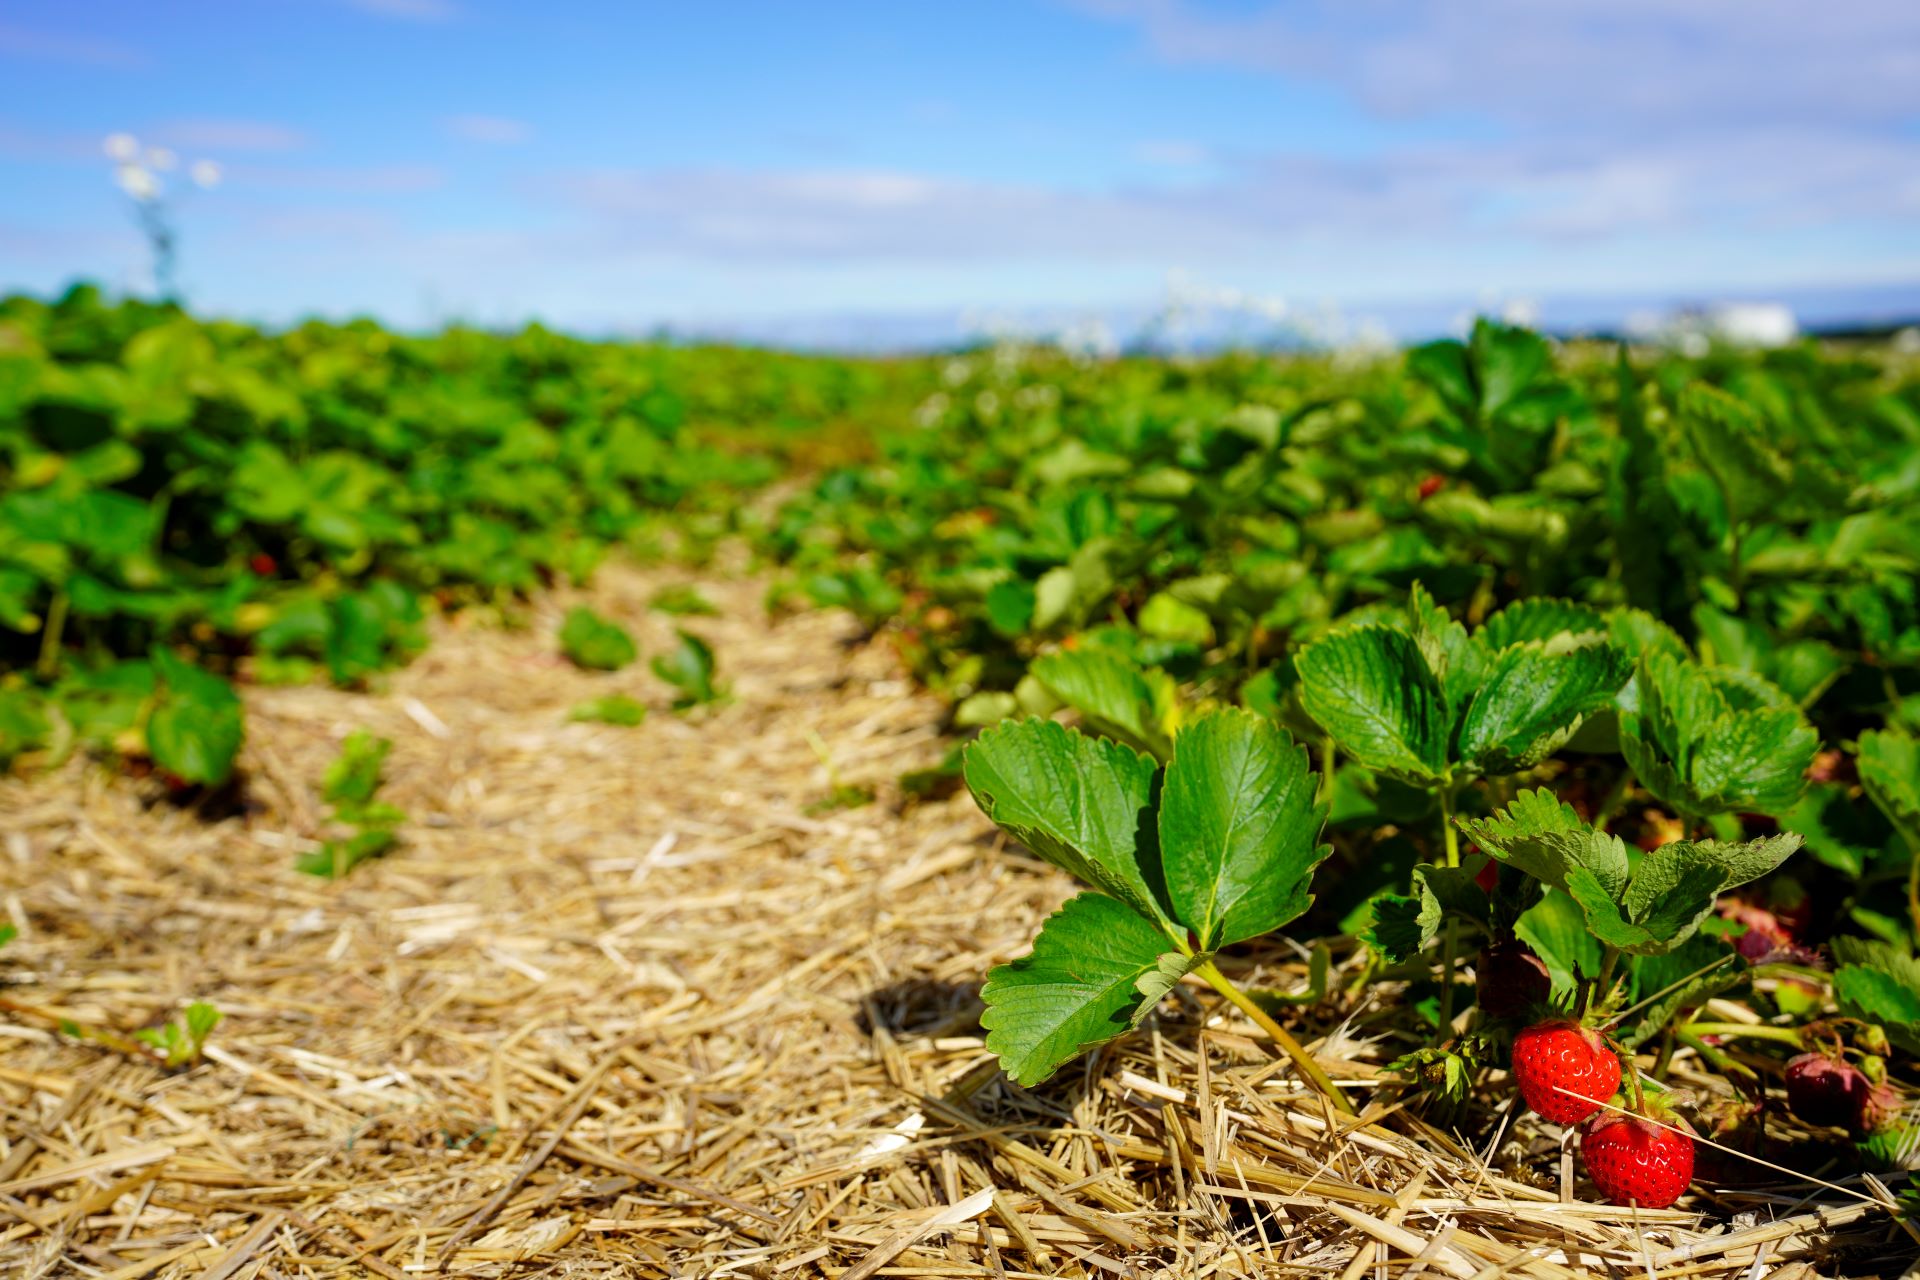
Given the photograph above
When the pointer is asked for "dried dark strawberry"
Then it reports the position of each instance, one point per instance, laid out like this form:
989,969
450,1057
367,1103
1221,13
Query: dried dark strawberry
1511,979
1825,1090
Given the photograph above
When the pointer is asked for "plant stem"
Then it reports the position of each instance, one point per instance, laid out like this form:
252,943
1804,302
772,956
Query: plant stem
1326,770
1722,1062
1239,999
1609,959
1784,1035
1449,949
49,661
1630,1068
1450,946
1913,885
1616,798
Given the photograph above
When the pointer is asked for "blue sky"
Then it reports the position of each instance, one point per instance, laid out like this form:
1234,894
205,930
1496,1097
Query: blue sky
621,165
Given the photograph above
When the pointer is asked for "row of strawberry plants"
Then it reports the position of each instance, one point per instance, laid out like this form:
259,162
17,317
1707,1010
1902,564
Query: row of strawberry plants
1587,648
184,501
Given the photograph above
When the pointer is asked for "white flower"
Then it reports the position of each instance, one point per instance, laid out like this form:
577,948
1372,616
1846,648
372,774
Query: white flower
137,182
205,174
122,147
159,159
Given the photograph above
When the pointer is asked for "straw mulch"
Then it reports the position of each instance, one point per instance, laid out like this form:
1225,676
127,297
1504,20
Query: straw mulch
634,1002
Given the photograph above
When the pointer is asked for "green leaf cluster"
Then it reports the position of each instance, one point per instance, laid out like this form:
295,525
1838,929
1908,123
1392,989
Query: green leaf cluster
1216,847
595,643
1420,699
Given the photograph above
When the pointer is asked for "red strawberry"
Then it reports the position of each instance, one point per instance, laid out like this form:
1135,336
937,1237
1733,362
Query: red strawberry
1557,1055
1430,485
1488,877
1511,979
263,565
1634,1161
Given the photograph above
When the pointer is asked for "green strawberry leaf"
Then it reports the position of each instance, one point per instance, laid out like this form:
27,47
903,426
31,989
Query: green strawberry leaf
688,667
354,775
1166,617
1729,439
1456,662
1889,762
1112,696
1556,928
197,723
1533,698
1402,926
1239,827
1755,760
1883,993
1095,971
1546,839
591,641
1673,890
1711,740
1373,691
1081,803
1536,618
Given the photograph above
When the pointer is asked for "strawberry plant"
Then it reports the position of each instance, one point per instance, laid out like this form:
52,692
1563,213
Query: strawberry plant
179,1042
594,642
688,667
611,708
351,786
1218,847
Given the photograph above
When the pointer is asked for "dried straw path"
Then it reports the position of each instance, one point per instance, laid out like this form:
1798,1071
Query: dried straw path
629,1002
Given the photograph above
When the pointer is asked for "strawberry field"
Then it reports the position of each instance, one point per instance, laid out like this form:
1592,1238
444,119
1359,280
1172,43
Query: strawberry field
511,804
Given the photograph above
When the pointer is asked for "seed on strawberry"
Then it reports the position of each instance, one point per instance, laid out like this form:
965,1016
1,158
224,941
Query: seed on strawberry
1633,1161
1825,1090
1556,1060
1511,979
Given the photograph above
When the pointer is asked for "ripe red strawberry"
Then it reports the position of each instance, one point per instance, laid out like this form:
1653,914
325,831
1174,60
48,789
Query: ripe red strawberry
1488,877
1558,1054
1430,485
1633,1161
1511,979
263,565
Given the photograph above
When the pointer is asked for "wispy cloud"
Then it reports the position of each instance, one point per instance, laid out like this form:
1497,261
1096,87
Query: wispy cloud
228,135
496,131
1173,153
392,179
73,50
1434,194
1628,62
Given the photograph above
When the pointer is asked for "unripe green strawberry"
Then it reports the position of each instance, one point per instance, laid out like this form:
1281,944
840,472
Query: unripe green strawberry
1633,1161
1557,1059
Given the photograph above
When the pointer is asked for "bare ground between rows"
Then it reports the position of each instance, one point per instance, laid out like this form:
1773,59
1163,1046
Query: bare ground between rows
629,1001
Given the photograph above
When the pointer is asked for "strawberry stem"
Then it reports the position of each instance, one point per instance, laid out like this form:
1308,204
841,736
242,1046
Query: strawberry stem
1451,946
1741,1030
1312,1070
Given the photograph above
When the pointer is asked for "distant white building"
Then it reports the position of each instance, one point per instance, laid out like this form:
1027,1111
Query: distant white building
1695,329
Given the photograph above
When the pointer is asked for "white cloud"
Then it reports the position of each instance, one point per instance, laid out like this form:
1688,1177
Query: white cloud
53,46
229,135
1172,153
498,131
1723,63
392,179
